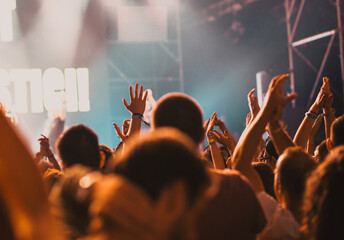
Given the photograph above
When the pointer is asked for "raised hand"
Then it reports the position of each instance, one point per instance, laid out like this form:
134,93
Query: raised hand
120,134
205,126
45,151
44,146
126,126
248,119
225,139
253,103
137,101
275,96
212,121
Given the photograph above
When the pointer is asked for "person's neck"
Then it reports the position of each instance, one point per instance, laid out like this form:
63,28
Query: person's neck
294,207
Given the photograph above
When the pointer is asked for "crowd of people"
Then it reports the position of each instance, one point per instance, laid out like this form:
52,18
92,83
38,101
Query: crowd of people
163,184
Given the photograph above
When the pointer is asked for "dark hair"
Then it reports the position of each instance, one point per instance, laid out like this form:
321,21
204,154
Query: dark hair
107,152
324,197
337,132
6,229
160,159
293,168
72,202
179,111
270,148
79,145
267,175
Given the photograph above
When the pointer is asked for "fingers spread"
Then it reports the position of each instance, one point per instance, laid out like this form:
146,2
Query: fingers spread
145,96
125,103
131,93
141,92
136,90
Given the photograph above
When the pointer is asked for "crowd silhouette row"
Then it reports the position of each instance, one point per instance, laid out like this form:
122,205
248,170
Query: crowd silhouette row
162,184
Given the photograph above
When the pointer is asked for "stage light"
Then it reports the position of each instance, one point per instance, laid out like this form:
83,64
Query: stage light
6,19
142,23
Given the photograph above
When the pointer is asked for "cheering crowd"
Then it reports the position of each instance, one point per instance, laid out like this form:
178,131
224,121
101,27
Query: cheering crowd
163,184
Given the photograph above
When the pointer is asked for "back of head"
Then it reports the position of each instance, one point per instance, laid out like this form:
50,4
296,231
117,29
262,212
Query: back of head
337,132
179,111
70,201
79,145
161,158
293,168
324,198
267,175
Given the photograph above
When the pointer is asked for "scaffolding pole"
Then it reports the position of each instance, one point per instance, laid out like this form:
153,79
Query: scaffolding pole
291,29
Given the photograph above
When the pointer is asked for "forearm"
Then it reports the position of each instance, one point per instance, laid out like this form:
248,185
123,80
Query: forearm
246,148
135,126
329,119
217,156
310,146
247,145
305,127
279,137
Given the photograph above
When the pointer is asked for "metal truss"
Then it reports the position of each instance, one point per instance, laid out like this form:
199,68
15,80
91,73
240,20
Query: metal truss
292,45
126,68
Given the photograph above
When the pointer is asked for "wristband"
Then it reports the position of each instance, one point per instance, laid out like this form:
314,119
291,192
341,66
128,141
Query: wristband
138,114
313,112
310,115
212,141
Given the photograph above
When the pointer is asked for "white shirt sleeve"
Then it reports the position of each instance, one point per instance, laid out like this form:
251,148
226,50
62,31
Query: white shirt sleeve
280,221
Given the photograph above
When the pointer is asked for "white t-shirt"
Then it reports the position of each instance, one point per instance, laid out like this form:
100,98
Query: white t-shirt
280,221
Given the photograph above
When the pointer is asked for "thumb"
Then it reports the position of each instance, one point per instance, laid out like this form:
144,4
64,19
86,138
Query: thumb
290,98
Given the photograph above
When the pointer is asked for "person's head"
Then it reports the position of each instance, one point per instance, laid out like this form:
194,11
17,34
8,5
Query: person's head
337,132
106,155
79,145
267,175
165,165
293,168
269,154
324,197
182,112
320,152
70,201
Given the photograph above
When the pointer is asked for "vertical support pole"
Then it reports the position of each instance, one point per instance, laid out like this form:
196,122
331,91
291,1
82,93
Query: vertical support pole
340,34
290,48
179,43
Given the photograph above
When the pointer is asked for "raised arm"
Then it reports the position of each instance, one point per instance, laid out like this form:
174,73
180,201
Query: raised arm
247,145
315,128
225,138
327,108
305,127
215,151
45,151
136,108
278,135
